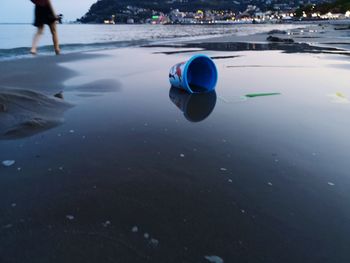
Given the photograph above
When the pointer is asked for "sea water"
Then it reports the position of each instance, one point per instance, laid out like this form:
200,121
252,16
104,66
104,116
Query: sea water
15,39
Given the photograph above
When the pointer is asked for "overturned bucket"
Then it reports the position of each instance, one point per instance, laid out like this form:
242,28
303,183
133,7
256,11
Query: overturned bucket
197,75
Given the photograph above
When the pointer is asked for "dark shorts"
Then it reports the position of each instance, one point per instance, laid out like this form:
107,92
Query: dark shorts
43,15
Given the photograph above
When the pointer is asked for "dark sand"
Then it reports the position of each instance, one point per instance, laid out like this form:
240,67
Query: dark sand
124,175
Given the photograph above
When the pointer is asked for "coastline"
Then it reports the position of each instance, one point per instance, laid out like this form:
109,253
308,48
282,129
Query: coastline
324,34
112,169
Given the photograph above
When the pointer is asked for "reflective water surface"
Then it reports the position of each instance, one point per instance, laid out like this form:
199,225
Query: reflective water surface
128,176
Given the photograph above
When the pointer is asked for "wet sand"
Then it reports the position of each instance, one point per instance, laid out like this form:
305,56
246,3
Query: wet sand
127,175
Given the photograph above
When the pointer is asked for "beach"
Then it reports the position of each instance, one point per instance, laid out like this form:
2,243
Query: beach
102,161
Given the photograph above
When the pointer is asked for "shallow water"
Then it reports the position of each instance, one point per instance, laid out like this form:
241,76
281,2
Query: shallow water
132,176
16,39
255,46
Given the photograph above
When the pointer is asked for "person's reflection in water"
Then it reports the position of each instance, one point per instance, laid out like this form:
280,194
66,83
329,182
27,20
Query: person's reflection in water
196,107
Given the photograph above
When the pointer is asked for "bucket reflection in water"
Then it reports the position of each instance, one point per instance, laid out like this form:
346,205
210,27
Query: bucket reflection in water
197,106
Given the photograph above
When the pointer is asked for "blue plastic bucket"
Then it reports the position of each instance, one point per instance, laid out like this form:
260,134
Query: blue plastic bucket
197,75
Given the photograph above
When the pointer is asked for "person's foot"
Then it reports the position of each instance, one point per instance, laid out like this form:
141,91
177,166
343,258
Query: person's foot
57,51
33,51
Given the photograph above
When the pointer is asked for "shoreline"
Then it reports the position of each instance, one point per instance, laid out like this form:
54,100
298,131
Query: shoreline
320,35
53,74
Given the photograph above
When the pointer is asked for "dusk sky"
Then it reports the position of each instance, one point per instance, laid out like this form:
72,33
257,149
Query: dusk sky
21,11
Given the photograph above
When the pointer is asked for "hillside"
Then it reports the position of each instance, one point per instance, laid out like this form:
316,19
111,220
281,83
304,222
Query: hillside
339,6
123,9
105,8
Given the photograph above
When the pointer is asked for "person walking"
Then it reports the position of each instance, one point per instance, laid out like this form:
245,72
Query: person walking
45,14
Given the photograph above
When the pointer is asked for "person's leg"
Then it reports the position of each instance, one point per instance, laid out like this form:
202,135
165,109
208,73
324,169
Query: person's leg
55,38
36,38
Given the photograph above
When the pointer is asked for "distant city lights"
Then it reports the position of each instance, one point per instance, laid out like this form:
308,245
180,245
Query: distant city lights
252,15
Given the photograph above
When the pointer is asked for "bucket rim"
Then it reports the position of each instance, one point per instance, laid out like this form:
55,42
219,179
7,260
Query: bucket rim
186,69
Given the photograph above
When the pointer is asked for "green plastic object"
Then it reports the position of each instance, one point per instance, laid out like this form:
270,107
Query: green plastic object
253,95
